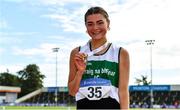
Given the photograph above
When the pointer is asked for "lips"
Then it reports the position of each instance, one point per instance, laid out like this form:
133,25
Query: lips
96,33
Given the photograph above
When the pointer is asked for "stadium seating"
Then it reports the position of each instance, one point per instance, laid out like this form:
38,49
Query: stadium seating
165,96
140,97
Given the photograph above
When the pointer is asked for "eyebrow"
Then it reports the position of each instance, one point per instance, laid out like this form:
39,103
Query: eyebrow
96,21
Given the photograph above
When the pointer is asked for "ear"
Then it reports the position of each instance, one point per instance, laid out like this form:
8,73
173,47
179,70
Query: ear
108,26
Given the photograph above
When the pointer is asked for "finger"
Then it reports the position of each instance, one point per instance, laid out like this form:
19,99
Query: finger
82,56
78,59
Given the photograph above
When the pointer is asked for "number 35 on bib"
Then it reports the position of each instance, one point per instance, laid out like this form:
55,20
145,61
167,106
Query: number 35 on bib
95,90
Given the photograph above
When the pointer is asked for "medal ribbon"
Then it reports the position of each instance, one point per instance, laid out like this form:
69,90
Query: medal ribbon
97,50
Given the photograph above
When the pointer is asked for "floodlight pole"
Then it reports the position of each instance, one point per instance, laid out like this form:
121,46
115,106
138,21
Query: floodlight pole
56,90
151,43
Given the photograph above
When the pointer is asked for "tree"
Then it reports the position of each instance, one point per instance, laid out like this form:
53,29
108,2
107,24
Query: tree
31,79
8,79
142,80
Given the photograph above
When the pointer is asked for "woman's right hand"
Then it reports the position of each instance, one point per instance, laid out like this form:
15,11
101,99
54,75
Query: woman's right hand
80,62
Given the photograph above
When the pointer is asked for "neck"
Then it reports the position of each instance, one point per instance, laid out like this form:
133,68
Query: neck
97,43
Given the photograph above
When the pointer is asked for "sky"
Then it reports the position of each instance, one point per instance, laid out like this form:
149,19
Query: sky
29,29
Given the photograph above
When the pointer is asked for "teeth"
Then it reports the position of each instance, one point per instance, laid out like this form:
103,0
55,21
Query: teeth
95,33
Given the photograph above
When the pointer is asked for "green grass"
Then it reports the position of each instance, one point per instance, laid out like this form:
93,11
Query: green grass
152,109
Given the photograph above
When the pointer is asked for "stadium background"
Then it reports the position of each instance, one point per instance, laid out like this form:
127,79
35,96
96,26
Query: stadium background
152,19
164,96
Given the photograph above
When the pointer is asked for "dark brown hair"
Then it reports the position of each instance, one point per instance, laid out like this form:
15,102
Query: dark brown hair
96,10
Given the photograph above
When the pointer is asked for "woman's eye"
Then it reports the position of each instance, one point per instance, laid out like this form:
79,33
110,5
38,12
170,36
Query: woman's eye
89,24
101,23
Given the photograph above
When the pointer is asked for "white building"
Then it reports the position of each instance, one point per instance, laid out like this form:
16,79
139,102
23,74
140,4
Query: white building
8,94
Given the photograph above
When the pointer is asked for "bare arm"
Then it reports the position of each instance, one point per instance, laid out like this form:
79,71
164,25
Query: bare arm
124,79
76,70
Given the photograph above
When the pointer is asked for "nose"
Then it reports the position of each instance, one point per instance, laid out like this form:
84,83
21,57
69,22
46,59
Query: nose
95,27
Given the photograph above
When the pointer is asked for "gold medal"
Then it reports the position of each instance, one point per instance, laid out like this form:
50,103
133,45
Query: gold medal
85,58
88,54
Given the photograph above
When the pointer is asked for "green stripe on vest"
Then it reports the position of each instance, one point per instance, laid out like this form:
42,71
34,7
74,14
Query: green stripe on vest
103,69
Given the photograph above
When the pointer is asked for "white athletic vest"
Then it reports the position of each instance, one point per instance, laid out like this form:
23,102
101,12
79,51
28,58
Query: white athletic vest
101,77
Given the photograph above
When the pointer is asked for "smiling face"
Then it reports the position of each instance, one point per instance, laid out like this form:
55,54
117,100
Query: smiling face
97,26
97,22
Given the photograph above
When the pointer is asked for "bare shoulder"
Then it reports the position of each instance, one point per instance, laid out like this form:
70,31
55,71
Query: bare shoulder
124,53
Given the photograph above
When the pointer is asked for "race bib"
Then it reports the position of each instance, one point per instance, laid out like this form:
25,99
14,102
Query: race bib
95,88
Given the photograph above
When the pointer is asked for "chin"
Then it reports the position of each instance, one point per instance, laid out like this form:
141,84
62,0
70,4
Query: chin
97,37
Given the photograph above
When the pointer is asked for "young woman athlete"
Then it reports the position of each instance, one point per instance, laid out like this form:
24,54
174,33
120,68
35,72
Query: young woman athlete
99,70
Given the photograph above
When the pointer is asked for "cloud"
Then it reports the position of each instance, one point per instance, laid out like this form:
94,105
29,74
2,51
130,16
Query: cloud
130,19
132,22
145,19
17,1
14,38
69,14
42,50
49,70
3,24
12,68
151,19
18,34
68,22
1,51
